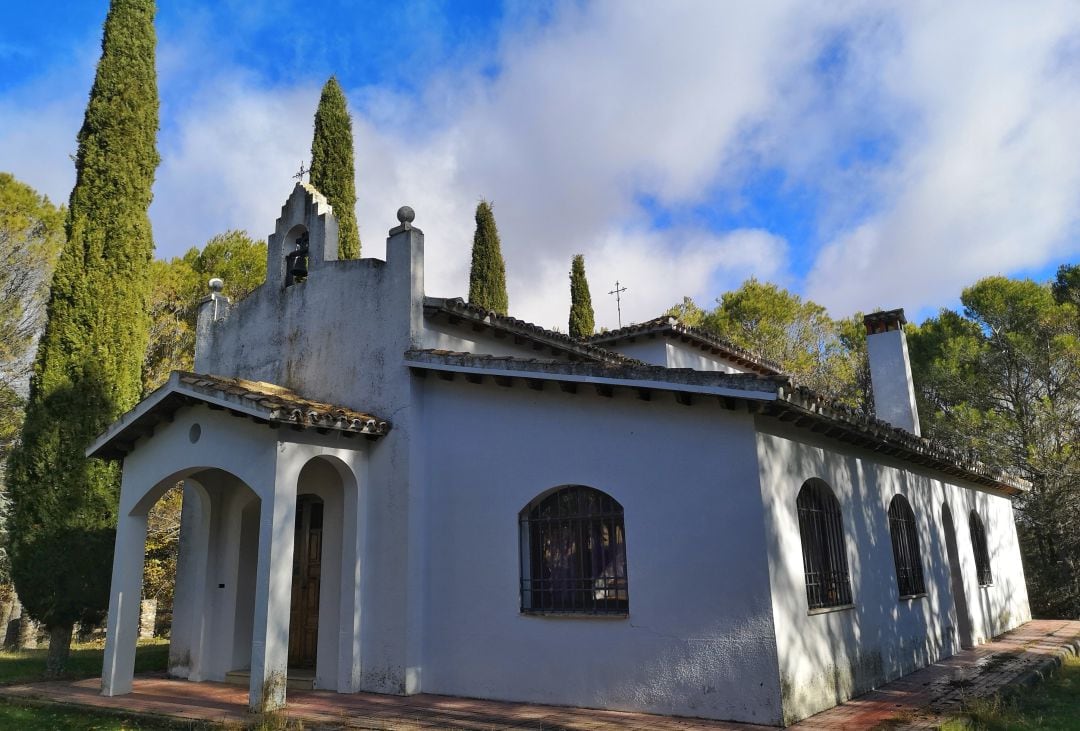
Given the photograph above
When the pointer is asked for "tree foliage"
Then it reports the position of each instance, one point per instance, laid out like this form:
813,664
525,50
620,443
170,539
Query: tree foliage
582,321
487,277
180,283
88,368
827,355
31,234
332,169
1003,377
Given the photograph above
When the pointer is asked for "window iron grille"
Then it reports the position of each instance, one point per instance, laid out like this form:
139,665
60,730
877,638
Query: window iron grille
573,554
979,547
905,547
828,582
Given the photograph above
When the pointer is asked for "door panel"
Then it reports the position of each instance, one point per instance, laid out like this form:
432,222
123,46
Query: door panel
307,569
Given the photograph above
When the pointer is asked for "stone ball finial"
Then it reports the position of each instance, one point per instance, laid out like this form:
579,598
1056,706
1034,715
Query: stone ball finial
406,215
216,285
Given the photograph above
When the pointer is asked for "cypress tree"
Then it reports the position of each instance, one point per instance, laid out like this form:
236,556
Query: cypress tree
332,169
487,278
581,311
87,370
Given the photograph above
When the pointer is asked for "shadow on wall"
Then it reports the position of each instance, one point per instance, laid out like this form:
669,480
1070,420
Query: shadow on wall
827,657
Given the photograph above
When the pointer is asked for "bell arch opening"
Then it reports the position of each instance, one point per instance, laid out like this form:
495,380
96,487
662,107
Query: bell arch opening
297,255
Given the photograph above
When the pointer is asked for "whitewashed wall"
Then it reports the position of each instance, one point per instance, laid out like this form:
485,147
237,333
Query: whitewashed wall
340,337
684,355
672,353
463,339
828,657
230,473
698,640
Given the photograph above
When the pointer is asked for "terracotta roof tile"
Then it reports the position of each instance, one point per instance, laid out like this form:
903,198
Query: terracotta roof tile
286,405
267,403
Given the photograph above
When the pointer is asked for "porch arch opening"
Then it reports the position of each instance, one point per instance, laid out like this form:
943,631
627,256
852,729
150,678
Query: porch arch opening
202,524
323,575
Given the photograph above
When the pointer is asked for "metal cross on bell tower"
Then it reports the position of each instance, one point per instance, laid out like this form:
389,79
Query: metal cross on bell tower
618,299
302,172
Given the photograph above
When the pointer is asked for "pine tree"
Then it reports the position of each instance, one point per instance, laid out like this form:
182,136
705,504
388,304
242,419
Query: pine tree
87,370
582,321
332,169
487,278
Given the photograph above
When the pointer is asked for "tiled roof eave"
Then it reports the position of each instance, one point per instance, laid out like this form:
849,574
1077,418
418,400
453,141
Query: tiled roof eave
826,417
770,396
641,376
263,403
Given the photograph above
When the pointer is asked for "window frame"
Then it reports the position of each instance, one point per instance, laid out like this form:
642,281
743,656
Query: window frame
984,574
573,520
907,557
826,571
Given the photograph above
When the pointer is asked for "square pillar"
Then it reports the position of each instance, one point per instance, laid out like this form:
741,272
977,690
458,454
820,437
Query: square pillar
273,594
125,595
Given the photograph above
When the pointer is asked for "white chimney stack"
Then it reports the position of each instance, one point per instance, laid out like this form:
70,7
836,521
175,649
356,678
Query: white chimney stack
890,370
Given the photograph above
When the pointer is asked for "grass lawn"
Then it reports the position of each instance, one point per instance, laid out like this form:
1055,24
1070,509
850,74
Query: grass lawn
1050,706
85,662
30,717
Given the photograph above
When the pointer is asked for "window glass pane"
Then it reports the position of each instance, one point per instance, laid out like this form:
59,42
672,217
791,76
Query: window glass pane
905,545
828,583
577,553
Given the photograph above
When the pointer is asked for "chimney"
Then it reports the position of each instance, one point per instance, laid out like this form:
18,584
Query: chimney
890,370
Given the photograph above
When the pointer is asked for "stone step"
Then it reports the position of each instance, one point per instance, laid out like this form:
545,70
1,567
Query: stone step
296,679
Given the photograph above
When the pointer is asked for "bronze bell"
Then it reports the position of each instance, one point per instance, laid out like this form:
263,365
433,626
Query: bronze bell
299,270
298,260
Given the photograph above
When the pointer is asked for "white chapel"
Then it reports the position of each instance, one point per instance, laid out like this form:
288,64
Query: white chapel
396,493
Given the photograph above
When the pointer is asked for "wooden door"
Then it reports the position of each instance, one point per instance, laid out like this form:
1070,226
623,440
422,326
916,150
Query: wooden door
307,567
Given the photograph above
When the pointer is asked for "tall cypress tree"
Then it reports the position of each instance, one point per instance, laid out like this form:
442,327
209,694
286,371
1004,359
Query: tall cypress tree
332,169
582,321
87,370
487,278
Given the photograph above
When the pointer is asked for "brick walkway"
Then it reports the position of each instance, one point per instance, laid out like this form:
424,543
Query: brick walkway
218,702
921,699
927,697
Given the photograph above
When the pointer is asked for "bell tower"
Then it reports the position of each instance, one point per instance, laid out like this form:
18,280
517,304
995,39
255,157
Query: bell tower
306,236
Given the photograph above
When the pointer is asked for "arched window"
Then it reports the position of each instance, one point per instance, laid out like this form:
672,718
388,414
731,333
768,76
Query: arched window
978,546
905,548
573,553
824,557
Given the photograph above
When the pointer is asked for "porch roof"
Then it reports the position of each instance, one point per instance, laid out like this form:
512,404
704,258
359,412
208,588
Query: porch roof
265,403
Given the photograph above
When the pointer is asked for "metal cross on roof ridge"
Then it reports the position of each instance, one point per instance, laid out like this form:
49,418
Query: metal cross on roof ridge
618,299
302,172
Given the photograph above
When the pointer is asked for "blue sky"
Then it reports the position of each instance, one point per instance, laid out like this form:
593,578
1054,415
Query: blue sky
863,155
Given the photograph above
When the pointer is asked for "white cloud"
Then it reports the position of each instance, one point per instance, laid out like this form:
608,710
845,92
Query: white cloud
588,110
987,179
973,106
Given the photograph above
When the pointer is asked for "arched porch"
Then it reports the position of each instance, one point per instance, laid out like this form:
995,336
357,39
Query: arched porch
235,572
